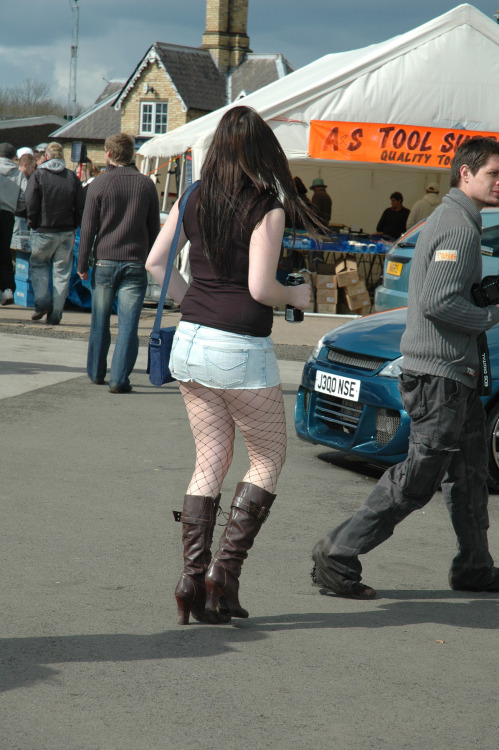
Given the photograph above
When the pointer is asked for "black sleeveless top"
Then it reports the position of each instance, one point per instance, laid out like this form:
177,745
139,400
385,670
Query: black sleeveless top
218,302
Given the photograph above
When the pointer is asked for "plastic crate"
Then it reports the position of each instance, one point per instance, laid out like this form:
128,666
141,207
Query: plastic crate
22,265
24,295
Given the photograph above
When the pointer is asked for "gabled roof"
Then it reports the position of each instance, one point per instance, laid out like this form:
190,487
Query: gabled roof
192,72
113,86
257,70
98,122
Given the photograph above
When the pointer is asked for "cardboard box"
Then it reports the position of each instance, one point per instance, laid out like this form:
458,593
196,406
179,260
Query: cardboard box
346,272
326,308
358,302
352,290
342,309
324,282
325,269
326,296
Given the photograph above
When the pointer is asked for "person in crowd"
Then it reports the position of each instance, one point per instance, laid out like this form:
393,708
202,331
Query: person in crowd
443,354
24,150
54,204
90,173
26,165
394,218
425,205
321,200
120,224
12,200
223,356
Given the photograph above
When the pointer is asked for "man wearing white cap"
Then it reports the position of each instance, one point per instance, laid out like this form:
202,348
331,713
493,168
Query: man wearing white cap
24,150
425,206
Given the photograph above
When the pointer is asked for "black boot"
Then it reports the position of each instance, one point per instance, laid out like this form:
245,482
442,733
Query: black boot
250,508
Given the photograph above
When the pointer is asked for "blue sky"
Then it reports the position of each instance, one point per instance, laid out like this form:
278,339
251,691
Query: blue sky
35,35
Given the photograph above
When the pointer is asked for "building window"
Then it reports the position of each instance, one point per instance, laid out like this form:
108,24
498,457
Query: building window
153,118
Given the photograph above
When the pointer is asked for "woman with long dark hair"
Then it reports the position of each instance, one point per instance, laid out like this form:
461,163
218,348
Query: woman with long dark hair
223,356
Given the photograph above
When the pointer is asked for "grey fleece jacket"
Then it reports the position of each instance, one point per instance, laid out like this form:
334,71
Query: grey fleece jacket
443,322
11,186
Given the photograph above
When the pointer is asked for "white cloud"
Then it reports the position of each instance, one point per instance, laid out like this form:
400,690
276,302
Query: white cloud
35,35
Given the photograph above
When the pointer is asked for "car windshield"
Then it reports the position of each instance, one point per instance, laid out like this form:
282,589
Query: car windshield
490,241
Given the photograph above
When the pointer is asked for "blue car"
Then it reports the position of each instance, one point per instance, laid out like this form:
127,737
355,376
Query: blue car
392,292
349,400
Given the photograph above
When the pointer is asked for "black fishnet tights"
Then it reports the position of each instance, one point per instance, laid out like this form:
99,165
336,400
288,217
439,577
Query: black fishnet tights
213,415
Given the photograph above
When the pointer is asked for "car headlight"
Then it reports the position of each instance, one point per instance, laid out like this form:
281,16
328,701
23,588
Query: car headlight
318,347
392,370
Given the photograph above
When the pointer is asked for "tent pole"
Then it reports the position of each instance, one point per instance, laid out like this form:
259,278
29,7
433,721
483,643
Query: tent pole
182,176
167,188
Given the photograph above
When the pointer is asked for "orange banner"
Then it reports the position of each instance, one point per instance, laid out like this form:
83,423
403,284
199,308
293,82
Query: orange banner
380,143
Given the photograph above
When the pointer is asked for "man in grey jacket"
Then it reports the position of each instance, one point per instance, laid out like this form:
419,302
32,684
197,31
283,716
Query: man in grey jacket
11,201
439,389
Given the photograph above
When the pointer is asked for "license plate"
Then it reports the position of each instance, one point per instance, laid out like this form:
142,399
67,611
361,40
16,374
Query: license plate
394,269
337,385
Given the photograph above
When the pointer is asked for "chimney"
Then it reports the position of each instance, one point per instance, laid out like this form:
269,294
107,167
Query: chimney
225,35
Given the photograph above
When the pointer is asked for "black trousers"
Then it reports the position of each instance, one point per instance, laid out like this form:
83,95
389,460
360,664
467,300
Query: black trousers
447,448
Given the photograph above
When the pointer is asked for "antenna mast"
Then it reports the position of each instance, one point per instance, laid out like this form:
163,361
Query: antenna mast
74,60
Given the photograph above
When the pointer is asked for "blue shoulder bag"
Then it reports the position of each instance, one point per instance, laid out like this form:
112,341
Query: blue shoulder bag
161,339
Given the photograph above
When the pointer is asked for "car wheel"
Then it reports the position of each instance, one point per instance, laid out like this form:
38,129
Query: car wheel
492,431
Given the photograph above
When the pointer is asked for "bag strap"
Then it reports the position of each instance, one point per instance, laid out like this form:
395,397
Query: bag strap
171,258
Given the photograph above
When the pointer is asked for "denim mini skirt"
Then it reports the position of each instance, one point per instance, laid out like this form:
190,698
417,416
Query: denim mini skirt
219,359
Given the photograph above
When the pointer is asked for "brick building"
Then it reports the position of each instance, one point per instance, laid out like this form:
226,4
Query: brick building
174,84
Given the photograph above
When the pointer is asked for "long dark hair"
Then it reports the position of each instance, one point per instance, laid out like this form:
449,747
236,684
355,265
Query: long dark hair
245,169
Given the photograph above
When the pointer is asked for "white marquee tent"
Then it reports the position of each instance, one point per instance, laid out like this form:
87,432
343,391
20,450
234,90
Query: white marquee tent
441,75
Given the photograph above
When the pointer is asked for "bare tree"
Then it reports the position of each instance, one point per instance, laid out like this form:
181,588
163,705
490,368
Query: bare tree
29,99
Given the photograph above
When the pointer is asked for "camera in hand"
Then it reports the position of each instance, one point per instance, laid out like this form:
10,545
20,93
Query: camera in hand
486,292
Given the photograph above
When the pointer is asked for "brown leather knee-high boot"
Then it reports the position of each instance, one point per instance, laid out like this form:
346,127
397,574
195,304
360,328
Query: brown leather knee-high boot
198,521
250,508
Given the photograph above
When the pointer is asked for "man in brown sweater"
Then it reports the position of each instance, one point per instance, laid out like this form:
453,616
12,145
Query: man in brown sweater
119,226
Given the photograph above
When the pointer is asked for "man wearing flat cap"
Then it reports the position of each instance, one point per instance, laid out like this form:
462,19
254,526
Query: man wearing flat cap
425,206
321,201
11,201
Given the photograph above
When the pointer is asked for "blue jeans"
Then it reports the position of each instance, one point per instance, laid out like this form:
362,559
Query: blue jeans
129,282
51,250
447,449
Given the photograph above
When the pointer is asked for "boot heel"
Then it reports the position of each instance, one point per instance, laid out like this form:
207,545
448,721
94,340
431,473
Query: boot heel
184,610
212,613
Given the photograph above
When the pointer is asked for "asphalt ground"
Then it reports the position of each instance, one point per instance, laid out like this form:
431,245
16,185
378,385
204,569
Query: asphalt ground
91,657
